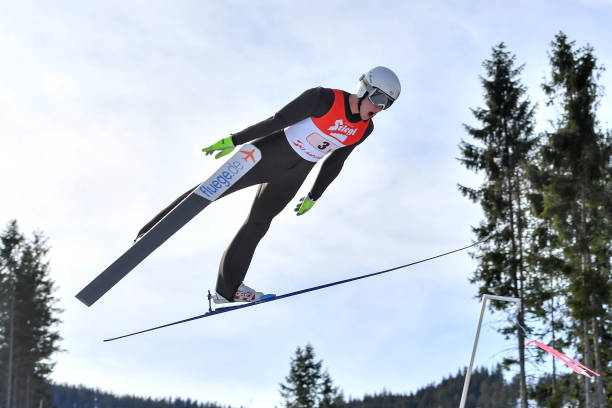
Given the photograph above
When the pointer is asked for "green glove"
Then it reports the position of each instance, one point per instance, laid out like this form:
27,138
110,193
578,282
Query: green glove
225,145
304,205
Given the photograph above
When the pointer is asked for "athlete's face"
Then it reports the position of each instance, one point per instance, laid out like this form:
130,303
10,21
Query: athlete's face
368,110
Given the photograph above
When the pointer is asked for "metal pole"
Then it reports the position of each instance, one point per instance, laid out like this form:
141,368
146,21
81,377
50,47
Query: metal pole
468,374
504,298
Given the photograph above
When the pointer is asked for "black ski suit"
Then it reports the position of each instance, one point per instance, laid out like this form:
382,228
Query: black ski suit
279,173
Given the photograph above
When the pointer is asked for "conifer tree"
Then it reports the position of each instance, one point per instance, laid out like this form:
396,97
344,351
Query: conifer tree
27,319
300,391
306,386
505,142
576,197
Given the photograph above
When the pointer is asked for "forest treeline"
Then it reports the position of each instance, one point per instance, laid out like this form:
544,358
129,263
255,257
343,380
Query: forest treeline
79,396
488,389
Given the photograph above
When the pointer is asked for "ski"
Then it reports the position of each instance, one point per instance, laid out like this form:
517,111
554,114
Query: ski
208,191
226,309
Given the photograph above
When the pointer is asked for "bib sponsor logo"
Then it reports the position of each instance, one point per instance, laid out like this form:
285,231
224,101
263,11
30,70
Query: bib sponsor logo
341,131
298,143
229,173
248,154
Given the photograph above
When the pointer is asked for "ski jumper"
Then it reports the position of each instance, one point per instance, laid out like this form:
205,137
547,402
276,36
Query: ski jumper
316,124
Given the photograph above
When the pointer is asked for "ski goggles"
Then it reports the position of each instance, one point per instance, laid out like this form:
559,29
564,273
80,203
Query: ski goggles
379,98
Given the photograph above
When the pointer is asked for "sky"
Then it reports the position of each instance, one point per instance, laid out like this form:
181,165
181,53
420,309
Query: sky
107,104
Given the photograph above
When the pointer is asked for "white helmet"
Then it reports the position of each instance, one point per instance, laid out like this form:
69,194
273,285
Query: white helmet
381,78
